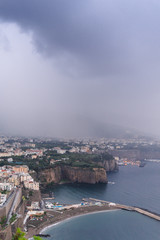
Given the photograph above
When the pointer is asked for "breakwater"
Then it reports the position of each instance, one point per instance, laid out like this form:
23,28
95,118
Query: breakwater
128,208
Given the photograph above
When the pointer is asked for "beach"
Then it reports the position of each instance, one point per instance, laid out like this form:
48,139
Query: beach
54,217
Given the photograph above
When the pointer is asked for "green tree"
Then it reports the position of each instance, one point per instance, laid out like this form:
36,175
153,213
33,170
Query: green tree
3,221
23,198
19,235
37,238
30,193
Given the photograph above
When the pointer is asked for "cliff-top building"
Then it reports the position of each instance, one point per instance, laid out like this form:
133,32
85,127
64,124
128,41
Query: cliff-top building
31,185
20,169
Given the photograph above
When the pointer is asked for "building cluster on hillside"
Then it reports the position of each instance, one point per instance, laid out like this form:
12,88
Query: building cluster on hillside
35,152
14,176
19,152
14,146
82,149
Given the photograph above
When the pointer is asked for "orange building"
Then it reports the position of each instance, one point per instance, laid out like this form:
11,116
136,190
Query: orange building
20,169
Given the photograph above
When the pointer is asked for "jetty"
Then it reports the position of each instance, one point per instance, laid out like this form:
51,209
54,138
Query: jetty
127,208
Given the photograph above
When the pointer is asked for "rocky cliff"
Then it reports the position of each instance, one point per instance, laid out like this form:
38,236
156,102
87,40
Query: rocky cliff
73,174
78,174
50,175
84,175
109,166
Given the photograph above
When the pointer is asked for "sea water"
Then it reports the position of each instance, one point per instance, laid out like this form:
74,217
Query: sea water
133,186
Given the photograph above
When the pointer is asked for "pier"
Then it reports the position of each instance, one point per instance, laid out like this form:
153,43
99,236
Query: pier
127,208
147,213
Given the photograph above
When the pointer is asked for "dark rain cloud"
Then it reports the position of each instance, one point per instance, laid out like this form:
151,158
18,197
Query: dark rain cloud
111,48
103,37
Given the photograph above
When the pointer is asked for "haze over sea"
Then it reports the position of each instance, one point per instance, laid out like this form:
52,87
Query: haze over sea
132,186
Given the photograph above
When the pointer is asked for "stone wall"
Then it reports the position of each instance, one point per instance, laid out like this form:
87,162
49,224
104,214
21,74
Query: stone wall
2,212
9,204
5,210
18,200
6,234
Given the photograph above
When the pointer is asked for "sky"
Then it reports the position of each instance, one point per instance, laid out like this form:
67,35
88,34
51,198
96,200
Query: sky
72,68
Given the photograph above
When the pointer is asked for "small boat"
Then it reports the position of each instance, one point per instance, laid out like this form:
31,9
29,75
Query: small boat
111,182
142,164
121,164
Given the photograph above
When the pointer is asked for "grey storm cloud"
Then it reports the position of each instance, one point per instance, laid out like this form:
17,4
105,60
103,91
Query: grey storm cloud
101,35
108,53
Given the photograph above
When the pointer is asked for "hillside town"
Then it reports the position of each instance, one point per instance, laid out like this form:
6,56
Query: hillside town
15,176
18,154
23,175
36,147
38,153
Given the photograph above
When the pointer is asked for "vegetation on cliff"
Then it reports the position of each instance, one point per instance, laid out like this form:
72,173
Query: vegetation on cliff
70,159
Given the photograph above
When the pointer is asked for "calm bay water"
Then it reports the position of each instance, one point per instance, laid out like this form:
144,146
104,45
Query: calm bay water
131,185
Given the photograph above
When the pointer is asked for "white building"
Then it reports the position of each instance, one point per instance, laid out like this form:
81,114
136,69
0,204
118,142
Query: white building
32,185
3,198
5,154
25,177
6,186
10,160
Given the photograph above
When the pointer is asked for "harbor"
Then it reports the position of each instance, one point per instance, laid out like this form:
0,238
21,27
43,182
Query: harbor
88,205
86,202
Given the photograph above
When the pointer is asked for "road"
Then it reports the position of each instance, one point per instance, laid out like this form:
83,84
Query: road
9,198
17,194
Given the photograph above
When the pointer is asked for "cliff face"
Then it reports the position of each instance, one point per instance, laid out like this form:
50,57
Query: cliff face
50,175
84,175
110,165
78,174
73,174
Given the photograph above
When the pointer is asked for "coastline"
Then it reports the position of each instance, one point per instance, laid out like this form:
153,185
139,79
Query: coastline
76,216
65,216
